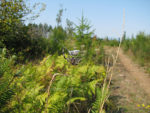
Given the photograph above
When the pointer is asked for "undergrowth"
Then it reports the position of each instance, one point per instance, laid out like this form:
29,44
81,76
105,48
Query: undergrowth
52,86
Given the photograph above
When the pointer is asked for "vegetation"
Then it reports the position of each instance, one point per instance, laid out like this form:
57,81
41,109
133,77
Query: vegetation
51,84
110,42
54,85
139,47
35,75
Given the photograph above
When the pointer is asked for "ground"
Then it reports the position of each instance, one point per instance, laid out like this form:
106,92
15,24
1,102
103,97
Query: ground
130,86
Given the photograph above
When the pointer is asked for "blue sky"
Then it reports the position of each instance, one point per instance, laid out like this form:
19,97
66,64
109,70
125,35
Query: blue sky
106,16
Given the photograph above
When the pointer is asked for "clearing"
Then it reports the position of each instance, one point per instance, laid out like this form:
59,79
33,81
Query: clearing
130,85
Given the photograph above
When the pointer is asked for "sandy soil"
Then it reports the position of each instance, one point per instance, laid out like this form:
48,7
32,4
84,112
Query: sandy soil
130,85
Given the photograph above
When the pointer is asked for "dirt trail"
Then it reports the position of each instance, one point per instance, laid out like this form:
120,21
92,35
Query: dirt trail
130,85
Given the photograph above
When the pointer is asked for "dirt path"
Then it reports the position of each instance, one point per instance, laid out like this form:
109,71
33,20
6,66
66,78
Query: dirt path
130,85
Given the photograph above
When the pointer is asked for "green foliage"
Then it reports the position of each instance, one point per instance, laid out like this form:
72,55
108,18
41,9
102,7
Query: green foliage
5,62
6,78
11,16
53,85
39,30
139,46
88,43
57,40
69,29
110,42
72,100
15,35
59,17
71,85
83,33
102,95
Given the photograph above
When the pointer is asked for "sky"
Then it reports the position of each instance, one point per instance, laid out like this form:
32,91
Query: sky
105,16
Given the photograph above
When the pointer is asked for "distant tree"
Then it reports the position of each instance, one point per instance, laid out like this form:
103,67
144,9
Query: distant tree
124,36
83,31
11,18
41,30
69,29
58,36
47,30
57,40
59,17
84,36
33,30
13,32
